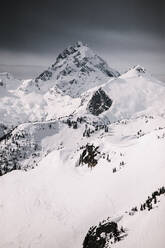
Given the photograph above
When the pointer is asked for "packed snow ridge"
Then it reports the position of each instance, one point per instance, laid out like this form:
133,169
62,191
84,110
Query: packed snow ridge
82,159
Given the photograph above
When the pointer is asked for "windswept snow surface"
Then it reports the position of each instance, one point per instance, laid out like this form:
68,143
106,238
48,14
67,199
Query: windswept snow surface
55,204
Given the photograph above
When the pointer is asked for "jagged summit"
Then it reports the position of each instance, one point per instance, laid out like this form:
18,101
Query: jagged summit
76,70
134,71
139,69
69,51
78,46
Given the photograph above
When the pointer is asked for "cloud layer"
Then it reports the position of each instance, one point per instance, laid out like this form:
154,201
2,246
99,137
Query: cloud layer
34,32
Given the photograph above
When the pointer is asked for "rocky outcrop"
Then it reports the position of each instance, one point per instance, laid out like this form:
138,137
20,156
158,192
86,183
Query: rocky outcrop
104,235
99,103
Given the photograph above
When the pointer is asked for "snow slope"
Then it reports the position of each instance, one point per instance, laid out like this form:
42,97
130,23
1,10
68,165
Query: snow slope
133,93
55,204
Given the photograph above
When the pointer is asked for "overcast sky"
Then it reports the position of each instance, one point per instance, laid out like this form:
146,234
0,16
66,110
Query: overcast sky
123,32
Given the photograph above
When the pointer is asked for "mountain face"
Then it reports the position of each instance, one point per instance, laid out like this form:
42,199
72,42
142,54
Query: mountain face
57,91
76,70
82,156
61,92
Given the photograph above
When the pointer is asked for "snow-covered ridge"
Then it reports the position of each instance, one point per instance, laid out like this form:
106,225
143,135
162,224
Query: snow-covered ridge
132,94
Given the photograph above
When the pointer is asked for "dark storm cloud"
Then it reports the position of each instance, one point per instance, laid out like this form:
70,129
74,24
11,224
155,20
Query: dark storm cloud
43,24
124,32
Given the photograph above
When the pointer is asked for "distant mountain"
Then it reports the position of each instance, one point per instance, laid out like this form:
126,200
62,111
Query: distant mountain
74,91
76,70
8,81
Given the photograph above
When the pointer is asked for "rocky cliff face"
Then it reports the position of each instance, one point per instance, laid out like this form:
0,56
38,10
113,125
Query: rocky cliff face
99,103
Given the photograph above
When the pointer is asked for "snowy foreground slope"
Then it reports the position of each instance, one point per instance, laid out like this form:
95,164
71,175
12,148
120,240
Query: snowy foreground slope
82,164
55,204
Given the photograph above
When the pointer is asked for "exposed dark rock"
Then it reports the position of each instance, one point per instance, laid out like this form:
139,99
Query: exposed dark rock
104,234
139,69
73,81
70,50
99,102
46,75
1,83
3,130
88,156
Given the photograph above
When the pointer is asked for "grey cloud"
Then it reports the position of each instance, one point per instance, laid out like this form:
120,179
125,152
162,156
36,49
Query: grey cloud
28,25
122,31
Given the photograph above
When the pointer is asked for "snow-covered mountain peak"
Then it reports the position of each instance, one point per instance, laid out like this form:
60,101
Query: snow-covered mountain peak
76,70
136,71
80,83
139,69
79,47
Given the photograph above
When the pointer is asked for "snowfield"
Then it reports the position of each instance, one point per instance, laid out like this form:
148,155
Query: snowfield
72,157
55,204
